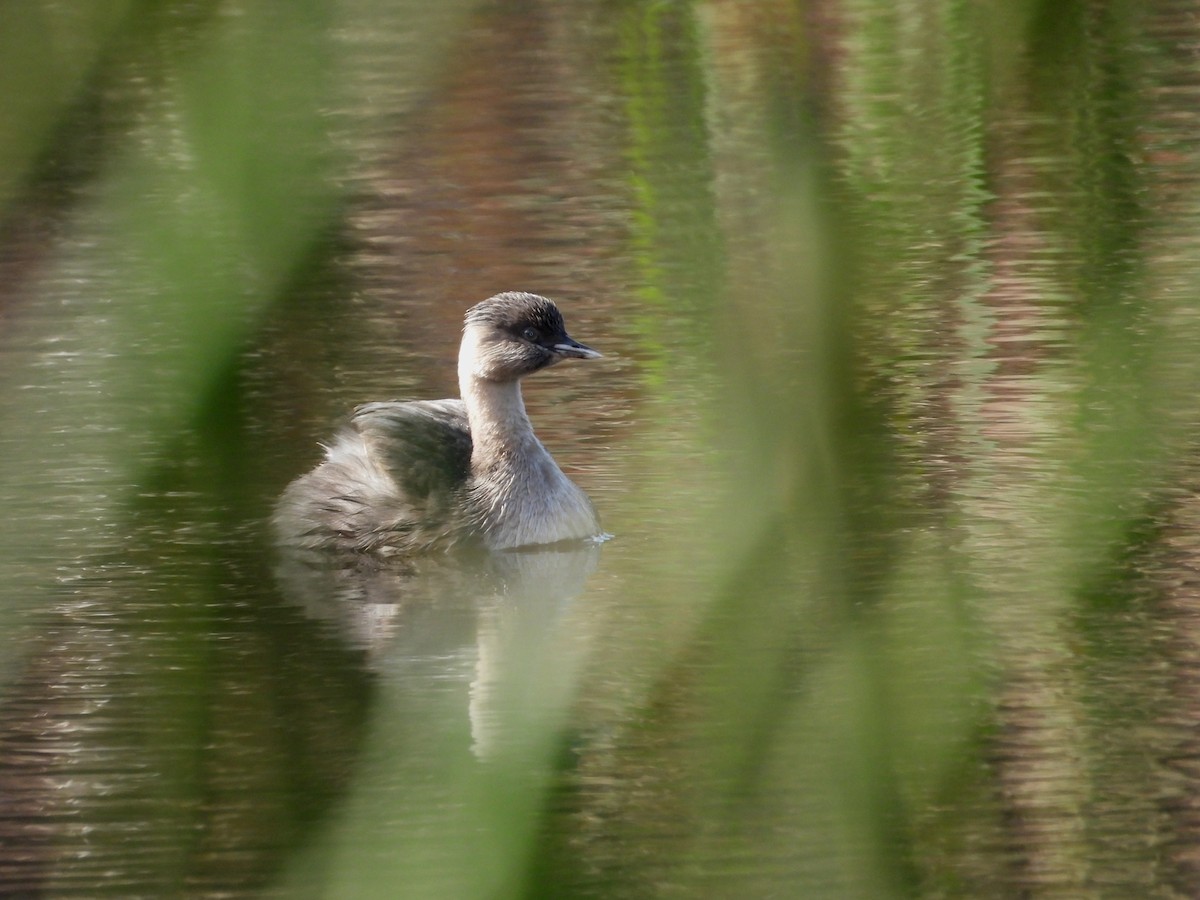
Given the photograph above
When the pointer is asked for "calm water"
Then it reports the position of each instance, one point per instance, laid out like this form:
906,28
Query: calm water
894,433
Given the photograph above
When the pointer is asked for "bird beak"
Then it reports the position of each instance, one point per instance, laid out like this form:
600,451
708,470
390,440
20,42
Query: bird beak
574,350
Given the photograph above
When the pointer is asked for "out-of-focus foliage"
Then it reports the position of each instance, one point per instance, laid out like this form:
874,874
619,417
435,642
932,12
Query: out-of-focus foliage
909,300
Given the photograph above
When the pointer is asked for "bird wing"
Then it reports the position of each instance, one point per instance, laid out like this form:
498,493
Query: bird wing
393,477
425,445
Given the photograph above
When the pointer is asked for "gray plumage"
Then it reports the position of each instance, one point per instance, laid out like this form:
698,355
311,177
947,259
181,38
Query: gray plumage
407,476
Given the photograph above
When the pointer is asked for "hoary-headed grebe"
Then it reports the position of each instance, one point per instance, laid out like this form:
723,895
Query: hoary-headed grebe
403,476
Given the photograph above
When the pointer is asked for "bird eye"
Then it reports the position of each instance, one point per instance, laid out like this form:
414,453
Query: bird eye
530,334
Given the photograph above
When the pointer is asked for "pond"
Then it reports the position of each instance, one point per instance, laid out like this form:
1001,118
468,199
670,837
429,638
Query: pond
894,435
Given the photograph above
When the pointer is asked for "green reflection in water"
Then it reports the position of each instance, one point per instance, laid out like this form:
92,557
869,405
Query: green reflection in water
952,317
673,240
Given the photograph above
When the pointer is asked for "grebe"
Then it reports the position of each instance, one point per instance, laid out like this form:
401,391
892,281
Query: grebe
405,476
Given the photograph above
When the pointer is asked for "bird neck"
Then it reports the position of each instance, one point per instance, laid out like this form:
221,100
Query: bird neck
518,493
501,434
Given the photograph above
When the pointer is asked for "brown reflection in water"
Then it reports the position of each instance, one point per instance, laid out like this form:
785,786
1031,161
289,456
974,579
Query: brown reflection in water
496,186
1014,469
1068,829
1179,577
145,752
1170,146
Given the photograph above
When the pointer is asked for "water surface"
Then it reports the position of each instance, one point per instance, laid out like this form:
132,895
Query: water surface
894,432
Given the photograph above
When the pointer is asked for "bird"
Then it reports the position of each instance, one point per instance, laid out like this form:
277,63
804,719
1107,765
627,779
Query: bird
407,477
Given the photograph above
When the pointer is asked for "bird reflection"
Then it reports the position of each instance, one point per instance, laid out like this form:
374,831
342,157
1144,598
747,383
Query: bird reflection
494,623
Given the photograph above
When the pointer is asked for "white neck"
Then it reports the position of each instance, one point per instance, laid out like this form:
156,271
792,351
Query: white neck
500,428
519,493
